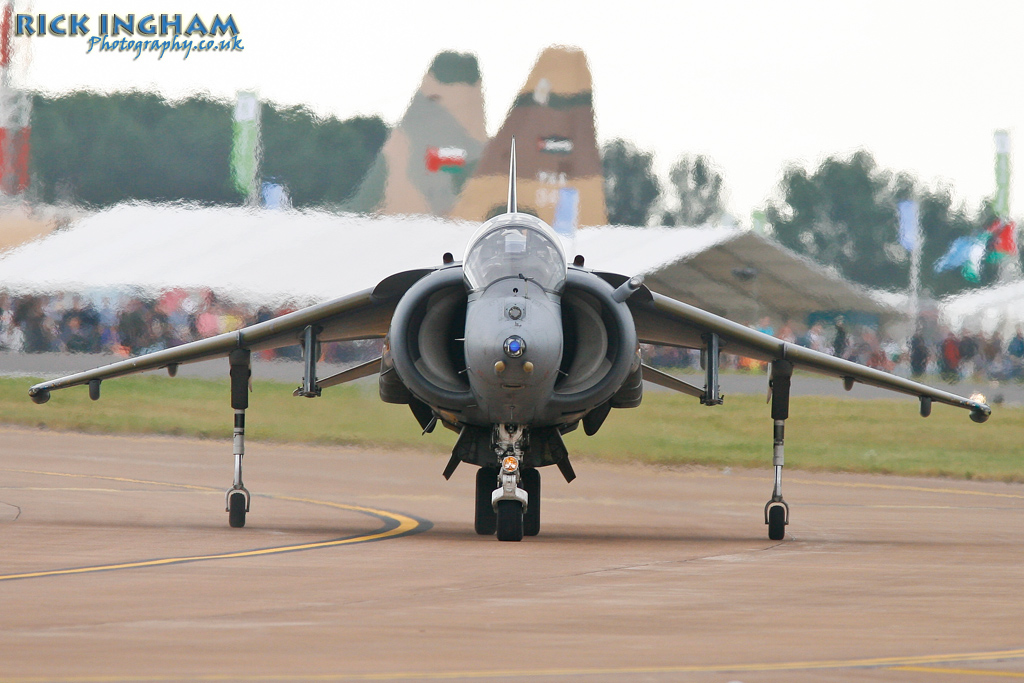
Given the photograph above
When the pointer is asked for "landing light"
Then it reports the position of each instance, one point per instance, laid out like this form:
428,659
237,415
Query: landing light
514,347
979,397
510,464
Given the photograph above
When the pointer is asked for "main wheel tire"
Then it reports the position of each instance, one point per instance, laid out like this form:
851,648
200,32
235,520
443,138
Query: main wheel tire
531,518
236,510
777,523
485,521
510,520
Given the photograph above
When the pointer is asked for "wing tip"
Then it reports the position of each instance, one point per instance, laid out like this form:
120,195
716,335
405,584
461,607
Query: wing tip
39,394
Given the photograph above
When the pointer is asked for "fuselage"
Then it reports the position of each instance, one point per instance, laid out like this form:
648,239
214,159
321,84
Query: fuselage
513,349
513,336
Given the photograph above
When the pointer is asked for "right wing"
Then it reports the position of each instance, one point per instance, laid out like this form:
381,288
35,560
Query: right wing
665,321
363,315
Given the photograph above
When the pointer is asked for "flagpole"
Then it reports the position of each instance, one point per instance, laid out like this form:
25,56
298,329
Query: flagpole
915,278
911,238
245,150
1009,268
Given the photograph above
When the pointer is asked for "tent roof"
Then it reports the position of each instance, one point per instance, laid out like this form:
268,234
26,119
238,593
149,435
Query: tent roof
736,273
265,256
1000,307
276,256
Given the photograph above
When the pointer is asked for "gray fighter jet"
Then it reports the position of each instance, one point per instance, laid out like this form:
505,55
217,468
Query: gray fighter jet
512,348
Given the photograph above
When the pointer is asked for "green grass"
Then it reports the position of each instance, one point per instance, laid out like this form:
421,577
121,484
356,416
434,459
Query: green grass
832,434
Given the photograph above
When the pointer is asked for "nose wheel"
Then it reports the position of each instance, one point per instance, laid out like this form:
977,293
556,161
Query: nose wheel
510,520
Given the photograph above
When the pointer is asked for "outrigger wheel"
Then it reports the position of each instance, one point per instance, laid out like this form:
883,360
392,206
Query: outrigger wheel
776,522
236,510
485,520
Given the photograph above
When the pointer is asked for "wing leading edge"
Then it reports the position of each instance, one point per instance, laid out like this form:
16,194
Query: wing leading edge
665,321
363,315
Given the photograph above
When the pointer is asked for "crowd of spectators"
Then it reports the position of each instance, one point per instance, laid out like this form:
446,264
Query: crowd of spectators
950,355
132,325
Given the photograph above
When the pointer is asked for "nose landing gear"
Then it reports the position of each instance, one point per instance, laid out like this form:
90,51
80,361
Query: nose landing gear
510,501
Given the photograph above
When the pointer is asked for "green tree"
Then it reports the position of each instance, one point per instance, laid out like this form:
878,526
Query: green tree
102,149
630,186
697,185
844,215
320,160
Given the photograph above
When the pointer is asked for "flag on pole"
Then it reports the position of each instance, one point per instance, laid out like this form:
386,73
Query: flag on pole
447,159
245,150
909,225
1001,203
957,254
975,255
1002,239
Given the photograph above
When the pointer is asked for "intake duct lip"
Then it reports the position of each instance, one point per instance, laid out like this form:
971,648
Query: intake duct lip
624,334
401,334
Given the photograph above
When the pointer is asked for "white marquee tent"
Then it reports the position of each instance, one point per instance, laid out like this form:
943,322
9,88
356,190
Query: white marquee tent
273,257
999,308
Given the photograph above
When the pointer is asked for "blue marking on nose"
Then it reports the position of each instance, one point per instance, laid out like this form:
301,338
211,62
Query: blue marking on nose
514,347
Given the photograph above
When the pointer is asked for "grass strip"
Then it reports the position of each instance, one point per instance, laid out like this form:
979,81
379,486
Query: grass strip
823,433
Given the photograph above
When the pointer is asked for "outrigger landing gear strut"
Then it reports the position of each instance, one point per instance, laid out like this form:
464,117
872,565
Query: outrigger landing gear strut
237,497
776,512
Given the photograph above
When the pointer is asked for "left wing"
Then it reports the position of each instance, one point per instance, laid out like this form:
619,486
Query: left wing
363,315
662,320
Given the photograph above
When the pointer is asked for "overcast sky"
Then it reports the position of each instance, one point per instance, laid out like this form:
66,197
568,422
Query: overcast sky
755,85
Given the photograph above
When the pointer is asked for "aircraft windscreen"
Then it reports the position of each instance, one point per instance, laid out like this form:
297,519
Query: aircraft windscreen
514,251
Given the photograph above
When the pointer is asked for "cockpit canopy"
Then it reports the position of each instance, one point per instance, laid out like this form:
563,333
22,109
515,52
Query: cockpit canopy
513,246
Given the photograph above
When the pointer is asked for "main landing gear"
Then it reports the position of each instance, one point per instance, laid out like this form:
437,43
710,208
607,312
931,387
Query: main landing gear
776,512
237,497
486,519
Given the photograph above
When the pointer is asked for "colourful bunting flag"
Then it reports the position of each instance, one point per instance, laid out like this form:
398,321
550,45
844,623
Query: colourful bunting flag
957,254
1002,239
975,255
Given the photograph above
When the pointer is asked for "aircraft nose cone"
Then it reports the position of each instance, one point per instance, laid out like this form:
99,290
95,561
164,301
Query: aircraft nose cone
514,347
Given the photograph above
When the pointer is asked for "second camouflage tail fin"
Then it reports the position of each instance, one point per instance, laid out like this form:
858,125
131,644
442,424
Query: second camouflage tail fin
559,174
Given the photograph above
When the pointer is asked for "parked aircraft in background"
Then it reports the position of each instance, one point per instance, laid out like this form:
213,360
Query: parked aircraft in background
512,348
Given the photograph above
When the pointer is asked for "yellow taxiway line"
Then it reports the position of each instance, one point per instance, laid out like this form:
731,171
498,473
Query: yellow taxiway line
910,664
904,487
959,672
396,525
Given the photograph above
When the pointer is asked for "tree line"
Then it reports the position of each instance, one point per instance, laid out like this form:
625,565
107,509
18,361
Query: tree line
843,214
634,194
100,149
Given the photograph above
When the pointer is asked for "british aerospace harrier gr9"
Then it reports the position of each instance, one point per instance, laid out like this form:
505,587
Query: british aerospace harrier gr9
512,348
